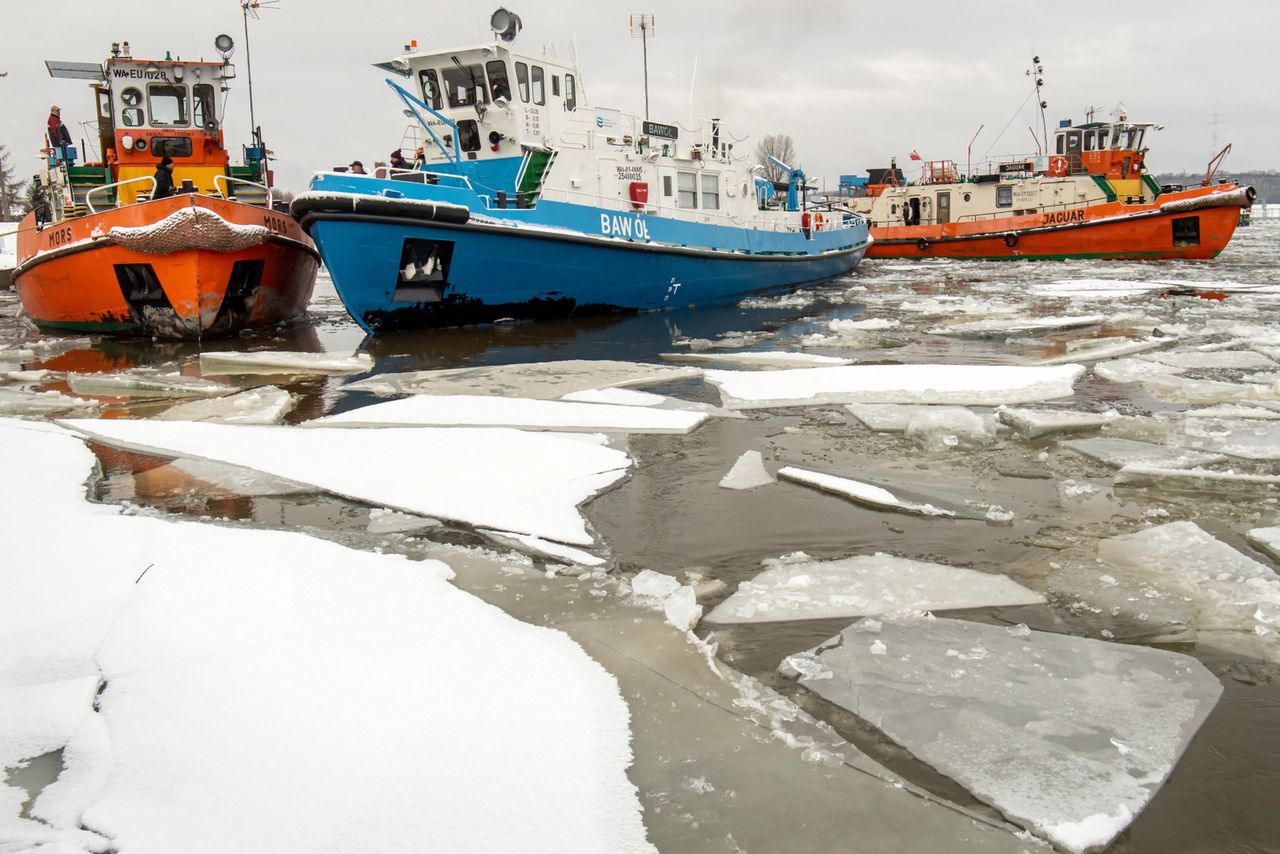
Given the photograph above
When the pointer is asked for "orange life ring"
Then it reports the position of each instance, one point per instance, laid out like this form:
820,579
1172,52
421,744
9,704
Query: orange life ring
1057,165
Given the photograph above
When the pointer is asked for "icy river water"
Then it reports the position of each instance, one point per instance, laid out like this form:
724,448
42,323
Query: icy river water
1030,505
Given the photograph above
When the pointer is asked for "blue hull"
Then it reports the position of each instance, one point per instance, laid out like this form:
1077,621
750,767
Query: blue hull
474,266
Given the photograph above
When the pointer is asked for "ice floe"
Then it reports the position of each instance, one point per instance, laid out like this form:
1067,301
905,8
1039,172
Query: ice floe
1069,737
1098,599
1188,390
796,587
283,362
678,602
999,327
1266,539
1132,370
949,428
263,405
182,654
146,384
747,473
48,403
1034,423
449,410
1197,479
1247,439
508,480
762,358
988,385
1202,360
1107,348
617,396
862,493
1123,452
543,380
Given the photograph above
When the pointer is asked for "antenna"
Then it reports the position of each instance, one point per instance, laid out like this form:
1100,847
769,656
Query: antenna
247,8
642,28
1214,122
1036,73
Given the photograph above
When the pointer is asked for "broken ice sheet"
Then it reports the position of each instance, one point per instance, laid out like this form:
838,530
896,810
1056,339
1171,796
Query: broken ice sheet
1132,370
146,384
1189,390
1198,479
1123,452
543,380
949,428
264,405
1248,439
863,493
978,385
1067,736
283,362
1199,359
1107,348
1034,423
48,403
796,588
760,358
1266,539
460,410
747,473
1101,599
1000,327
509,480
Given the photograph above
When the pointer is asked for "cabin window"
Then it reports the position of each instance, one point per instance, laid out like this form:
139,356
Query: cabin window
555,85
522,80
167,103
1115,138
536,88
132,114
711,192
468,135
1131,138
1061,144
464,85
570,93
1004,196
499,84
430,88
204,106
1137,146
171,146
666,185
1088,140
687,183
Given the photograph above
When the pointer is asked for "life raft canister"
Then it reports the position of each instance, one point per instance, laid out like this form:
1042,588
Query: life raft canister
806,224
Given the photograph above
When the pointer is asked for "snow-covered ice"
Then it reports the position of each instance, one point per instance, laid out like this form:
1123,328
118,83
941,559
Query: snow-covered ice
543,380
1132,370
1200,479
186,656
1000,327
862,493
761,358
1198,359
146,384
1122,452
804,589
618,396
509,480
1067,736
283,362
15,401
529,413
1034,423
263,405
1245,438
747,473
977,385
1266,539
1108,348
1189,390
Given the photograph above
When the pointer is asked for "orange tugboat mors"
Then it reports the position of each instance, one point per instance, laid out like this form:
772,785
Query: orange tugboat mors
107,250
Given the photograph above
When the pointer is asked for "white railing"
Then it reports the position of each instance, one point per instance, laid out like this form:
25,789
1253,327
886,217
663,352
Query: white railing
88,197
222,184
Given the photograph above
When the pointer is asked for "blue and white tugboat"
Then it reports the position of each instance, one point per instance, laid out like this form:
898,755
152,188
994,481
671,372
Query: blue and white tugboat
531,204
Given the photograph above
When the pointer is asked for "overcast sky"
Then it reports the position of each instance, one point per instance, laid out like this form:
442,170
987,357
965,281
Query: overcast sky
852,82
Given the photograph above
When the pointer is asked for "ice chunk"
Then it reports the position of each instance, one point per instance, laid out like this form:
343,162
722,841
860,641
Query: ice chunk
763,358
1266,539
543,380
863,585
885,417
747,473
1185,389
230,479
546,548
1095,597
1034,423
1247,439
1198,359
283,362
1132,370
1028,724
618,396
678,602
1001,327
509,480
1233,592
862,493
1197,479
1259,410
1107,290
264,405
949,428
47,403
383,520
655,585
146,384
1108,348
529,413
871,324
1123,452
952,384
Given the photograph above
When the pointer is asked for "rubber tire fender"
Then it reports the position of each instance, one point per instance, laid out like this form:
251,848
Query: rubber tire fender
1011,240
922,245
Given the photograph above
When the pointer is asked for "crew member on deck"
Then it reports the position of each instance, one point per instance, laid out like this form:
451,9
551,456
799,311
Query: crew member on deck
398,161
59,136
164,179
357,168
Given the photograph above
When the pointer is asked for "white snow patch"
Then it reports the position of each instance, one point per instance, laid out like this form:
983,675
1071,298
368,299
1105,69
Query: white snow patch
862,493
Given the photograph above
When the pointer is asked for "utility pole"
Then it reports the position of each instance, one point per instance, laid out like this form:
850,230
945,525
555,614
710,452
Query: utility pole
642,28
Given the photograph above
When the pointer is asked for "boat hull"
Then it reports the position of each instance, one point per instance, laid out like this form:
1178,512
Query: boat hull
184,267
1193,225
490,268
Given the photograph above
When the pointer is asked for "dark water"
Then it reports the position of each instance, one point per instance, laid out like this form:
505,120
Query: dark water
671,516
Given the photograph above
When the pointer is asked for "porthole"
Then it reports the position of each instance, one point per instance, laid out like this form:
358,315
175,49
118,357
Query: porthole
966,197
131,97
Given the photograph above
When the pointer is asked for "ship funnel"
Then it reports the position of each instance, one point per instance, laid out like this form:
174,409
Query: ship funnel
505,24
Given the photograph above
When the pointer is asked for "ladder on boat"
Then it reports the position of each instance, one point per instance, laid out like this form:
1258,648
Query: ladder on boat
533,173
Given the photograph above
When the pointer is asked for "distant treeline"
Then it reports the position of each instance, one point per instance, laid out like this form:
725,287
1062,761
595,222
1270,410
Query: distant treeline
1266,183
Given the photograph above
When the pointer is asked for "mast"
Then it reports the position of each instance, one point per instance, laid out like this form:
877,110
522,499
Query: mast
642,26
1036,73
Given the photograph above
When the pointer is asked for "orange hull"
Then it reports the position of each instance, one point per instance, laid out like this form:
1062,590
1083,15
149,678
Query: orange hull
184,267
1194,224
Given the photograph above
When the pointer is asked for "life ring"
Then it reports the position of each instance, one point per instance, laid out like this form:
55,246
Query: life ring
922,245
817,222
1011,240
1057,165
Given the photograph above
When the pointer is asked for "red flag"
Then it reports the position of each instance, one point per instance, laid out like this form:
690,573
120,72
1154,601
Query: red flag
915,155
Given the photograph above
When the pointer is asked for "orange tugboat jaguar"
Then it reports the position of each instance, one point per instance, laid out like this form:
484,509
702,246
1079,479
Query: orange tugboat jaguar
133,244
